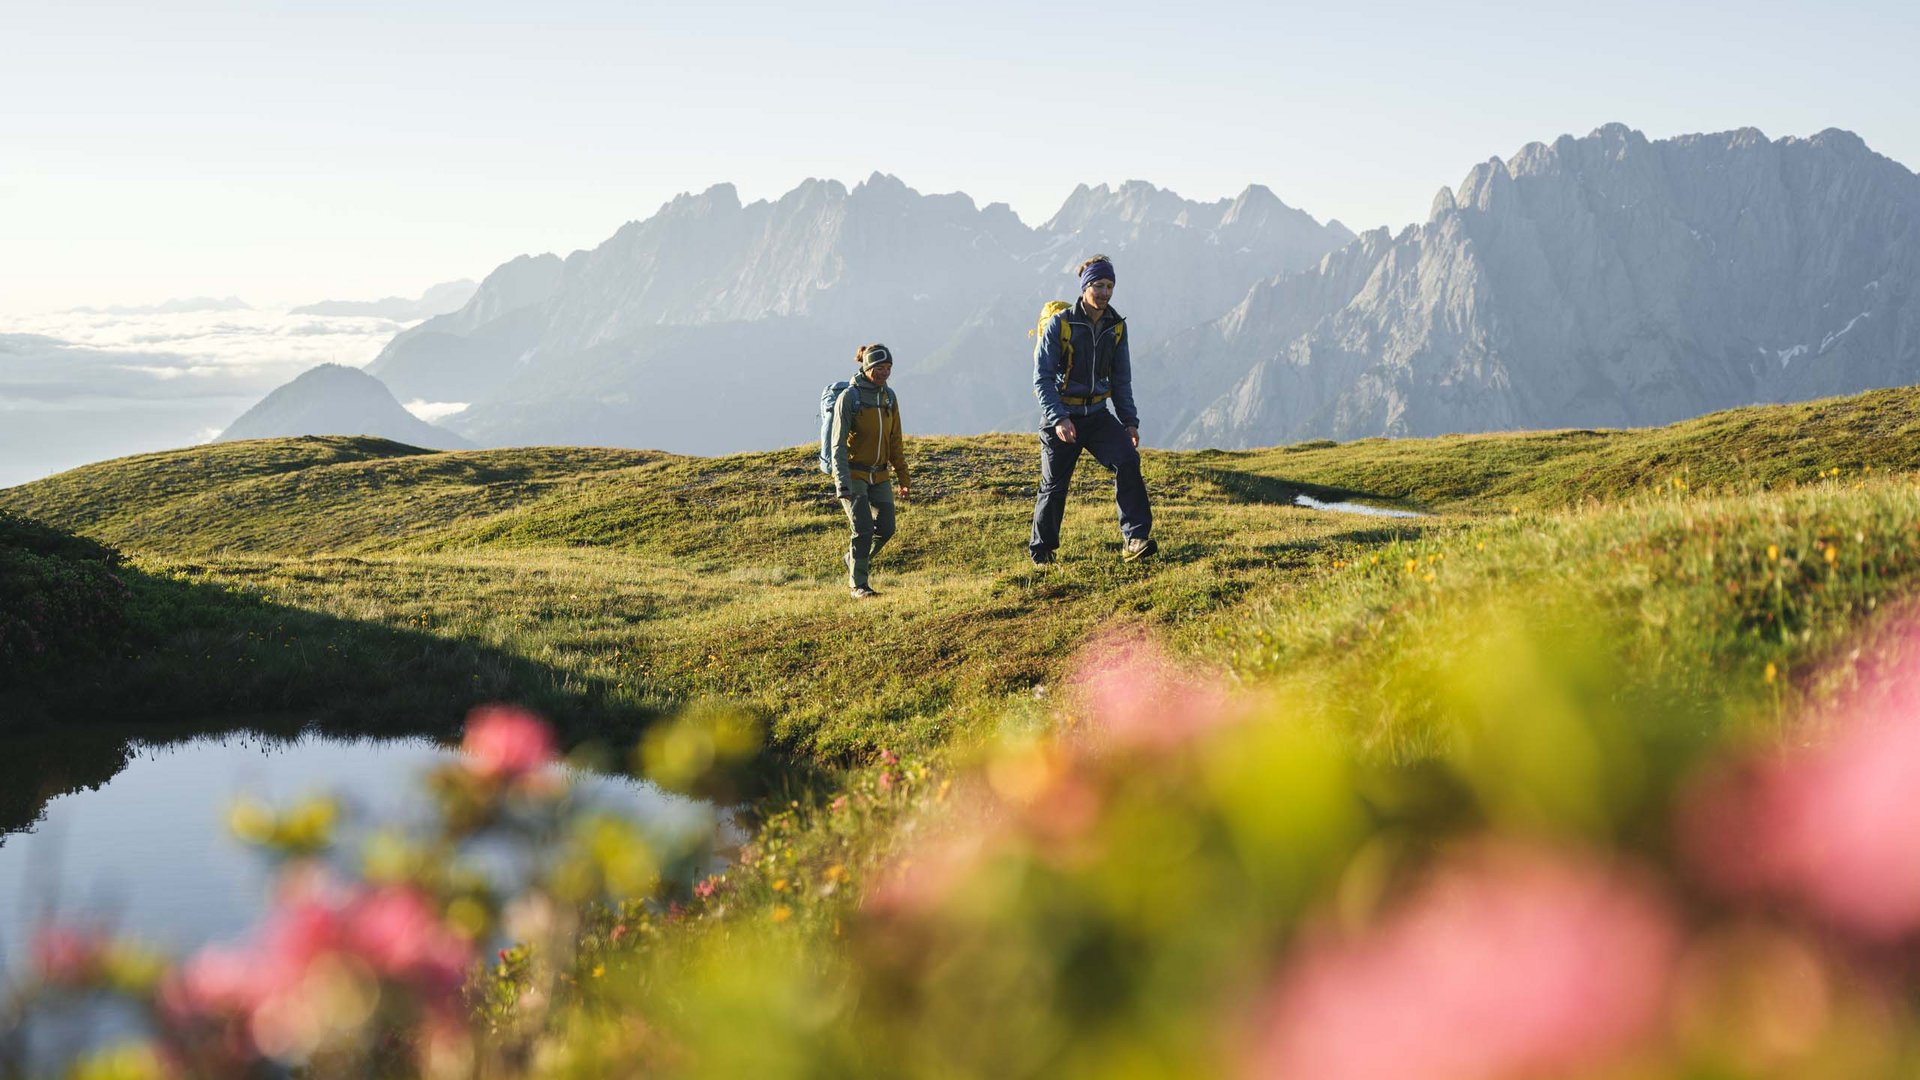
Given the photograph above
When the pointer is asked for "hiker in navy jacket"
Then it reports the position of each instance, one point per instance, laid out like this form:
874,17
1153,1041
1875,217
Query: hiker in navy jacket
1081,363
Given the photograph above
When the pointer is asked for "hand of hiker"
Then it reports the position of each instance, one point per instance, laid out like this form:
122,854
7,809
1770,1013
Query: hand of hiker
905,491
1064,429
1134,434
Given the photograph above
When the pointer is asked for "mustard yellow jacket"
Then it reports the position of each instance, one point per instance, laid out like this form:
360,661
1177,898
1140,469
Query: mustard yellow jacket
870,447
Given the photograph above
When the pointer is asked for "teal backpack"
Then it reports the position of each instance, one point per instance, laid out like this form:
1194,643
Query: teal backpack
828,398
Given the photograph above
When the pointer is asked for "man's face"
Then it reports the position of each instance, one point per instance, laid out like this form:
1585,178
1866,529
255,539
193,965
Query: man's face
1097,294
877,374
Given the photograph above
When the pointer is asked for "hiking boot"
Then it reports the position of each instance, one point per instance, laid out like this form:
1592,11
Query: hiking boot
1135,550
861,592
1040,556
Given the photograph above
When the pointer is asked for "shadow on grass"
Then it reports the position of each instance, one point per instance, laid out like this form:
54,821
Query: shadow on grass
197,659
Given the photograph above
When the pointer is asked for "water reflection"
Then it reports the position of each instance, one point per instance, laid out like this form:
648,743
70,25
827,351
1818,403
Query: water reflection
147,850
1312,503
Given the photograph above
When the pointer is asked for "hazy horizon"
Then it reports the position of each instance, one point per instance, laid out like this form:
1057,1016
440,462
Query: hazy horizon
288,155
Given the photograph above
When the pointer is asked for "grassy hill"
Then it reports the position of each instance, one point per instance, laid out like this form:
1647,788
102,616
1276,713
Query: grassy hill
1547,656
611,584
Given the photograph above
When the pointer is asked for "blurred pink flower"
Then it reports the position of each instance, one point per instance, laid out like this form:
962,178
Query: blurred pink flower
1134,696
1507,964
67,956
705,888
916,885
1835,827
391,932
506,743
886,781
399,935
214,982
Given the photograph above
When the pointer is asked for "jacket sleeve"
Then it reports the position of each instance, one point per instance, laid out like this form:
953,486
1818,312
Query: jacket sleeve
1123,382
1047,359
840,433
898,445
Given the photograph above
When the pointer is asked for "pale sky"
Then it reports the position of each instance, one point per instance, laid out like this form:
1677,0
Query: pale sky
290,152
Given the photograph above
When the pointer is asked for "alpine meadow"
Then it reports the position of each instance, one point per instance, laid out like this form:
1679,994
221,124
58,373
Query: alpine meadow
980,541
1214,814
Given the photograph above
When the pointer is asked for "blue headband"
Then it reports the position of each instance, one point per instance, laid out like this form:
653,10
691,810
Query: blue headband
1099,271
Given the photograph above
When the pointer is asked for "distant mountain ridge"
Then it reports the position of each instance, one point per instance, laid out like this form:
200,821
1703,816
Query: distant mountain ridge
448,296
181,306
1607,280
1603,281
746,308
333,399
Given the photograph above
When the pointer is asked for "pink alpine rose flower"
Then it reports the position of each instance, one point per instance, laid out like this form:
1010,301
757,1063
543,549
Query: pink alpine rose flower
214,982
1832,827
401,938
66,956
1135,697
505,743
1508,964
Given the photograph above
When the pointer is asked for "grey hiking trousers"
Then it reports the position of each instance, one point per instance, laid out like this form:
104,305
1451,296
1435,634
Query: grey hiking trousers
870,513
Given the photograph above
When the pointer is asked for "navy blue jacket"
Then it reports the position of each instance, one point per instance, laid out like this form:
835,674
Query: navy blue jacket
1079,379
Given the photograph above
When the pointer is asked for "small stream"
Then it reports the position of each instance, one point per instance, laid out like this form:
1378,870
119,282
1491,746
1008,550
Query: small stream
1312,503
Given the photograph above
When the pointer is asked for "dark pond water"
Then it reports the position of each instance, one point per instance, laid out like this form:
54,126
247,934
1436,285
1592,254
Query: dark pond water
148,852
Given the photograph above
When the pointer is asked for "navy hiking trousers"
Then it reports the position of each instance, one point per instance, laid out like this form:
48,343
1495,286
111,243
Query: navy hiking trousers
1100,434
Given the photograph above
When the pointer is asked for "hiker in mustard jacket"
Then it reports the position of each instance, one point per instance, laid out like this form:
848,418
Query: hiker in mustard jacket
866,442
1080,363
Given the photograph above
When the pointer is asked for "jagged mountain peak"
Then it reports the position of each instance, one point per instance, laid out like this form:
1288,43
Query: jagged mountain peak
813,191
1842,141
1134,202
879,181
1603,280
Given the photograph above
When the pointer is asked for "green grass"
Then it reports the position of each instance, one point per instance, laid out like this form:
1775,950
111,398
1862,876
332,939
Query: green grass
638,582
352,575
1576,621
1755,448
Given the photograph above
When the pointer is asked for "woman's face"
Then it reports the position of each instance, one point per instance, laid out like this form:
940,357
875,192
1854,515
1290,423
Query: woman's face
1097,294
877,374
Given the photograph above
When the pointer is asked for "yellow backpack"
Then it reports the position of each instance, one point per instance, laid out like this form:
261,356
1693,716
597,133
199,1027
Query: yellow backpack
1052,308
1047,312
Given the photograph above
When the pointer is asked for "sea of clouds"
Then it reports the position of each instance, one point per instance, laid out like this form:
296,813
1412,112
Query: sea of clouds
87,385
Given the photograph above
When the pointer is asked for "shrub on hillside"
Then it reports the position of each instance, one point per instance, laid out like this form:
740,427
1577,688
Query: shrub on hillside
60,595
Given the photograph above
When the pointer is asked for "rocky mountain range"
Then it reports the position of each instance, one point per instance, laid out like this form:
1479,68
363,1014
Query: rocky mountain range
698,329
1605,281
1609,280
